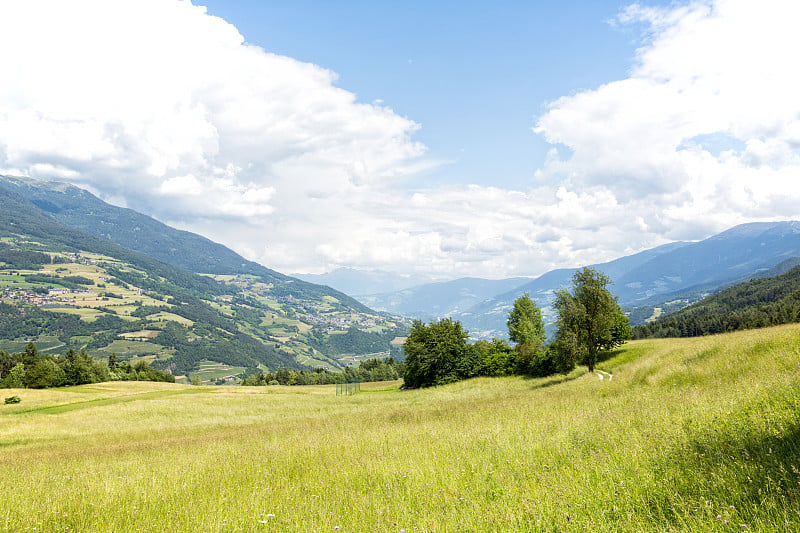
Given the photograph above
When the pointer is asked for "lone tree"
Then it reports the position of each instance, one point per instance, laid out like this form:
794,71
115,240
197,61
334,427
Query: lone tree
436,354
589,320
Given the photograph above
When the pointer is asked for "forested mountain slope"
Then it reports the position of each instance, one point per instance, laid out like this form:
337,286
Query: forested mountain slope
754,304
79,209
65,288
702,267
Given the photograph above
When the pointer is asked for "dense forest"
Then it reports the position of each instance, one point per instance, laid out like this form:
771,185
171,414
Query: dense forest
33,369
370,370
755,304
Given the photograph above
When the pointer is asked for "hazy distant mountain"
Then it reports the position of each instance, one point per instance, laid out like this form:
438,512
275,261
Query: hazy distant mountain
651,308
440,299
706,265
360,282
488,318
728,256
680,270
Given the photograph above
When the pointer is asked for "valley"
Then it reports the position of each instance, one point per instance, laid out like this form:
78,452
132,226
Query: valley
63,288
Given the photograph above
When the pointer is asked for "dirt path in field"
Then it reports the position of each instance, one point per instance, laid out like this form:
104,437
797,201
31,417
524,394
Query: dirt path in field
602,373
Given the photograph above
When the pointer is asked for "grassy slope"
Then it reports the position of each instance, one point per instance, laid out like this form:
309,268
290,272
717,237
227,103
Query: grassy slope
699,434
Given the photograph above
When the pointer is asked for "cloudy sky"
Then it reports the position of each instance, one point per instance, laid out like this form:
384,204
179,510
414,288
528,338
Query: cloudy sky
489,139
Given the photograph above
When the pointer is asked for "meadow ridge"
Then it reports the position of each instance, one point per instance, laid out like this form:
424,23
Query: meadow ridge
697,434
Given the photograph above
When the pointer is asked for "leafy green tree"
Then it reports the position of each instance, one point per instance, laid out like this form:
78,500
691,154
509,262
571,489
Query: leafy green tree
16,378
7,362
437,354
536,361
495,358
525,324
526,328
590,320
44,373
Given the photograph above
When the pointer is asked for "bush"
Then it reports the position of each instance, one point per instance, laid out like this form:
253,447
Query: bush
437,354
13,399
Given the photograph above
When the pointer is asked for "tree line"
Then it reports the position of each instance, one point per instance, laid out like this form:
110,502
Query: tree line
590,322
754,304
36,370
26,259
370,370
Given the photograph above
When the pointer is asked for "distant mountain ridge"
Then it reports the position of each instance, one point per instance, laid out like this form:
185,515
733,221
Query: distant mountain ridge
439,299
732,255
645,278
357,282
761,302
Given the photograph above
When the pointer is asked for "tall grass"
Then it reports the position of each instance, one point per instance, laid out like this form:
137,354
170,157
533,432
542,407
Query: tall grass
697,434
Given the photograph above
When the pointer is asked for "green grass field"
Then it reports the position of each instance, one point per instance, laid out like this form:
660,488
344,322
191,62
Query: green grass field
695,434
128,349
212,370
44,343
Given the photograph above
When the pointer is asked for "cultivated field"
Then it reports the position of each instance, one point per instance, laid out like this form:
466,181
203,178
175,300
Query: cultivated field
689,435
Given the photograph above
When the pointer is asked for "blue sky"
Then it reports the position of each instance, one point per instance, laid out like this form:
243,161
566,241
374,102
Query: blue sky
474,75
442,139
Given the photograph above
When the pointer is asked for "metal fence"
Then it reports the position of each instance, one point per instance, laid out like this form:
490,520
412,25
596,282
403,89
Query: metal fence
348,387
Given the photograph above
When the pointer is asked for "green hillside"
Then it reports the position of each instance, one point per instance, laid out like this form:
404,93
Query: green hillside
687,435
755,304
80,210
84,291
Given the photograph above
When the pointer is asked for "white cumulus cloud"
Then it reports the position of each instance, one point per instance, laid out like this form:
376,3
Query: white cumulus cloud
158,106
710,70
158,103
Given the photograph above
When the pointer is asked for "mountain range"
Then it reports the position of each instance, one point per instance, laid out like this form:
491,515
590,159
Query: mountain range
110,279
664,278
288,321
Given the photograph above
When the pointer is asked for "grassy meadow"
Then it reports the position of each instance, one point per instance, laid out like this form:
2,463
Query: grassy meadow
698,434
